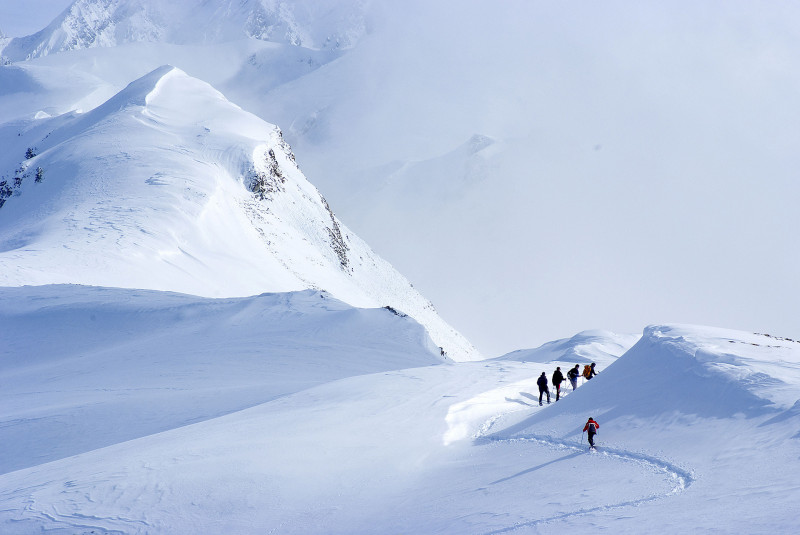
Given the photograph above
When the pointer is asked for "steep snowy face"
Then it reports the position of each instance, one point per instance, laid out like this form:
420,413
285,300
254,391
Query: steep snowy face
108,23
169,186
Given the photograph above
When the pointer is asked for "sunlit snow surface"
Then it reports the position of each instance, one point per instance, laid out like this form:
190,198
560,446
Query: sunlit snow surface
143,412
153,189
542,170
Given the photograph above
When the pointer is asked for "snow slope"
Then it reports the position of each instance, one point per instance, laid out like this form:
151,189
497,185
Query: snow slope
699,427
169,186
84,367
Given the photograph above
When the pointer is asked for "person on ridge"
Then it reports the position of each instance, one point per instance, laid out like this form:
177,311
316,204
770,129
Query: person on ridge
592,427
592,373
573,375
558,377
542,382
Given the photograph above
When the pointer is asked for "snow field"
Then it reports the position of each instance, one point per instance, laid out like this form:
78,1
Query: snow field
149,412
137,411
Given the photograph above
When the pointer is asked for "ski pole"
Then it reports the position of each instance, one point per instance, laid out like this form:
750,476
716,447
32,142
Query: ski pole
582,437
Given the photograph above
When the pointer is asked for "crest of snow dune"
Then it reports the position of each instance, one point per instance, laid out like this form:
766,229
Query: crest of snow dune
247,350
584,347
700,371
108,23
169,186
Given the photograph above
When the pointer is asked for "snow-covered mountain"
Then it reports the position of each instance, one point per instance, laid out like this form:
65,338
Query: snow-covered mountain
129,411
109,23
580,200
192,342
169,186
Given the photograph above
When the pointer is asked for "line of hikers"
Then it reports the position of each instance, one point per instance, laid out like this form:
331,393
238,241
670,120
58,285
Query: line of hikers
558,378
588,372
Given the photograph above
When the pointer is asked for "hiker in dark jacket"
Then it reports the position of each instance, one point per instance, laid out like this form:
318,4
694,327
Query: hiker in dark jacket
542,382
573,375
557,379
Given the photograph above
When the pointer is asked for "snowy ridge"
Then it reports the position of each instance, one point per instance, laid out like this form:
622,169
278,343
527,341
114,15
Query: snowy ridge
583,348
109,23
166,186
161,360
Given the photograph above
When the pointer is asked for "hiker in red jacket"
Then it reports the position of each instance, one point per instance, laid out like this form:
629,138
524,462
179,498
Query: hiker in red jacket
592,427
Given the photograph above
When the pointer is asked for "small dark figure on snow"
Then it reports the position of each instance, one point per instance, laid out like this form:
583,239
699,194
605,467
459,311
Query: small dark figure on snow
592,427
573,375
592,373
557,379
542,382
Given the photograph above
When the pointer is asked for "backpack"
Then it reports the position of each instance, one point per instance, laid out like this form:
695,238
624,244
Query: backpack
573,373
587,371
592,428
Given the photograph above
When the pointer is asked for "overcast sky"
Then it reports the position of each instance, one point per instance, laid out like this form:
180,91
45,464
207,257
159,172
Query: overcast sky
649,174
24,17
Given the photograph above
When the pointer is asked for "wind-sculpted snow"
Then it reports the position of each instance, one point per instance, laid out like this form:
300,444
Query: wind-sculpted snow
169,186
449,449
74,358
583,348
755,375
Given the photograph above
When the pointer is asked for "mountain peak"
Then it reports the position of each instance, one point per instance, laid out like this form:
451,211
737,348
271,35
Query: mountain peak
169,186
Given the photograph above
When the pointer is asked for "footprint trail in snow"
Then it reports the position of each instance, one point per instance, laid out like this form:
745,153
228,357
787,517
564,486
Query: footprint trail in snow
499,403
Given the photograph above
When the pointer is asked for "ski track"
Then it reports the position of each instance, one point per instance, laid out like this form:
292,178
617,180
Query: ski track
682,479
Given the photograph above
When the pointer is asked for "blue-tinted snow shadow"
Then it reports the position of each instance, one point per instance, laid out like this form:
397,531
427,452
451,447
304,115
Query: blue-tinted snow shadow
538,467
520,401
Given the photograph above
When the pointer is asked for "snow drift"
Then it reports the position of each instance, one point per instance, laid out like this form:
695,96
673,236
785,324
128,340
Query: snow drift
87,367
696,373
378,453
583,348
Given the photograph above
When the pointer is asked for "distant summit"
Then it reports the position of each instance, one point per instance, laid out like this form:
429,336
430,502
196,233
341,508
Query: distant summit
108,23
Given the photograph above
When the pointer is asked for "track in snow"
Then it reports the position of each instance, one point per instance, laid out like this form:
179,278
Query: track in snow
681,478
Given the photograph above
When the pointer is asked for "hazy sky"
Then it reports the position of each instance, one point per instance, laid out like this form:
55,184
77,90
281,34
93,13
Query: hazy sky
647,171
24,17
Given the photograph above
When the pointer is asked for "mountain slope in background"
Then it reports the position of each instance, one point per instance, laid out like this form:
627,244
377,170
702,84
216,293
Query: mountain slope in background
109,23
169,186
